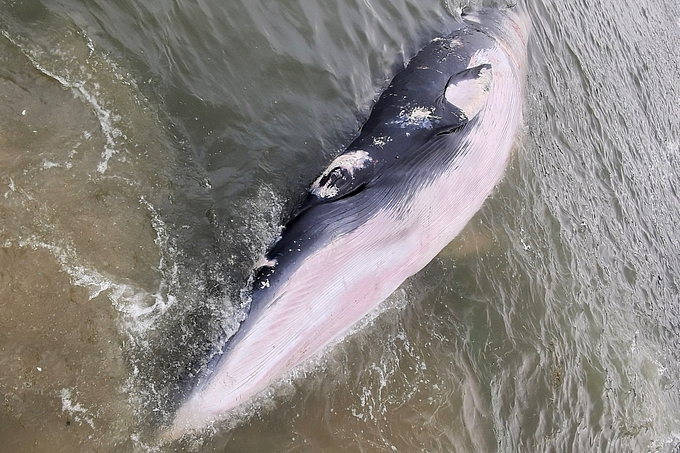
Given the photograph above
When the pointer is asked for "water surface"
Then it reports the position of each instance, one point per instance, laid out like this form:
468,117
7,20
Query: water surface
150,150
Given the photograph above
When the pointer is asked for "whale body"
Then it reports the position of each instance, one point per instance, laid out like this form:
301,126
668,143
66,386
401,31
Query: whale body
435,145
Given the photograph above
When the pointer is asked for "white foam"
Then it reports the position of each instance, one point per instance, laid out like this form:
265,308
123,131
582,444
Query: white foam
75,410
140,308
105,117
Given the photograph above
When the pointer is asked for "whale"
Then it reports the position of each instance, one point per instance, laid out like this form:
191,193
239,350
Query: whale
435,145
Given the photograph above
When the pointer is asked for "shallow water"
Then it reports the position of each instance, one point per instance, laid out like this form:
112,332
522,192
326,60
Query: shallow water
151,149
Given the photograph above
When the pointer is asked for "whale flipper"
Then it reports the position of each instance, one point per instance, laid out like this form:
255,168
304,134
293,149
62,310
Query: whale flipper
466,92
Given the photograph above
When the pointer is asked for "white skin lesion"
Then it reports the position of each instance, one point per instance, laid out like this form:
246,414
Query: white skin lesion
381,141
451,42
418,116
349,162
263,261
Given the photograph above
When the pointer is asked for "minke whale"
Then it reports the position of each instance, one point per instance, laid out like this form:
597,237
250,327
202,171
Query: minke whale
436,143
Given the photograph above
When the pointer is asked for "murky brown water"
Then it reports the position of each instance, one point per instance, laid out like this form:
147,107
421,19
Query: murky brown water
83,156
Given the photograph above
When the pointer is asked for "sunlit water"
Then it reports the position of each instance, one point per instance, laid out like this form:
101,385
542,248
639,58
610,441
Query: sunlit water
149,151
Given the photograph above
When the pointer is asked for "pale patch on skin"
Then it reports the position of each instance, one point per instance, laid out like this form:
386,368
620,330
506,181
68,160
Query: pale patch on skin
417,116
263,261
452,42
455,42
470,95
381,141
472,18
350,162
